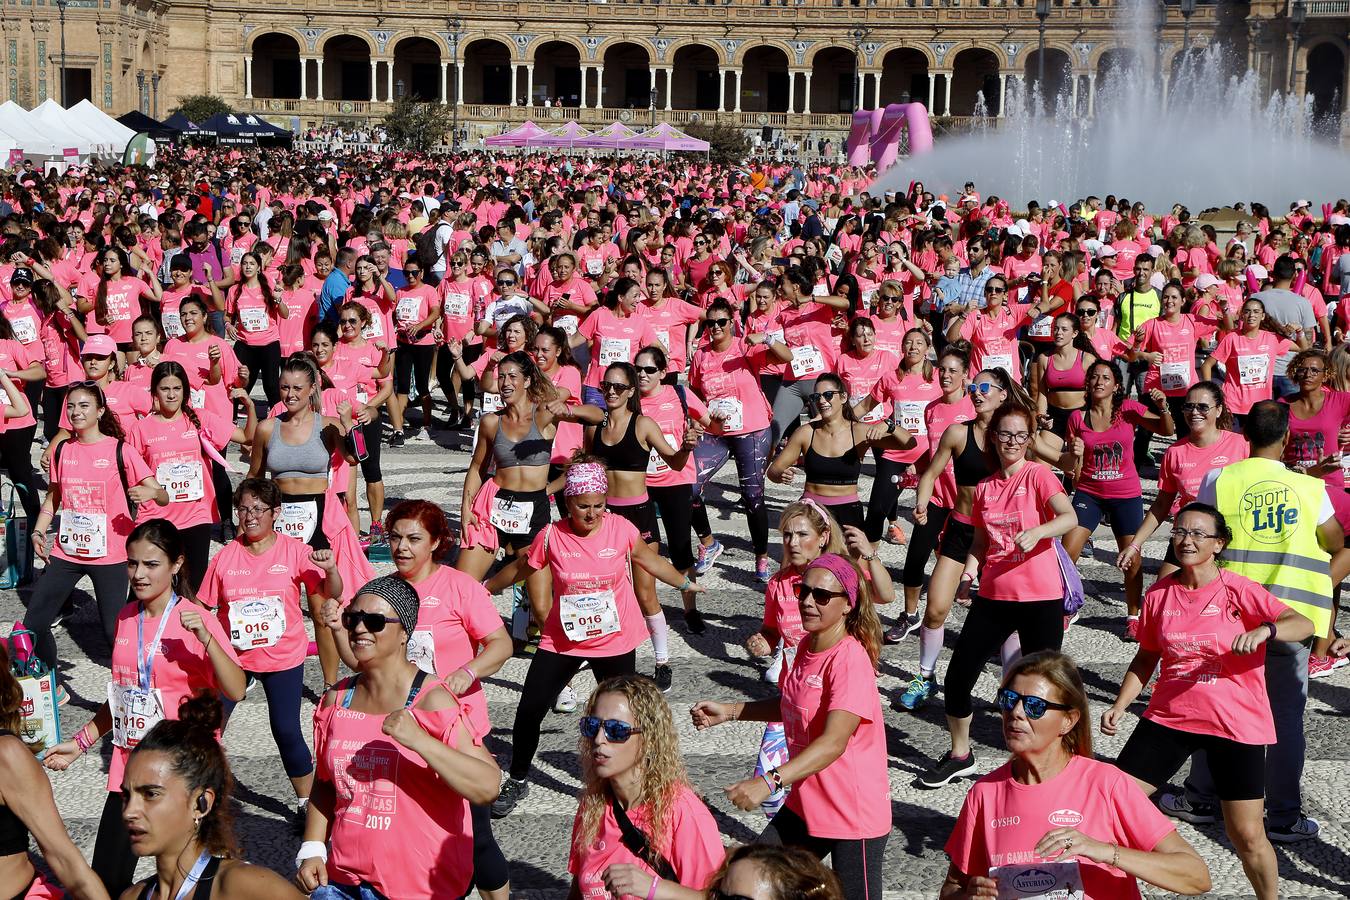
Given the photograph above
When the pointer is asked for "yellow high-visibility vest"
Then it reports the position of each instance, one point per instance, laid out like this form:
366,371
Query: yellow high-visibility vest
1273,515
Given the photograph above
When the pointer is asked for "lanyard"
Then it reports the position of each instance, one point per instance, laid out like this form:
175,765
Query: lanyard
145,658
193,877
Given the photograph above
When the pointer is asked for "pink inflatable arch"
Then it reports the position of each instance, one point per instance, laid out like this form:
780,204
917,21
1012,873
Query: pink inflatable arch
875,135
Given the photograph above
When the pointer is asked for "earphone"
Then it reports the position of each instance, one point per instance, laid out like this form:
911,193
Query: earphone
202,806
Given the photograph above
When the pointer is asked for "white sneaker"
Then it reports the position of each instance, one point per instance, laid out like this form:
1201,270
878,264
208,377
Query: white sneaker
566,702
775,666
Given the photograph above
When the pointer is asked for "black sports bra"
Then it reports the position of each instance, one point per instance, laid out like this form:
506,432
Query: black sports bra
625,456
970,467
13,833
841,471
207,880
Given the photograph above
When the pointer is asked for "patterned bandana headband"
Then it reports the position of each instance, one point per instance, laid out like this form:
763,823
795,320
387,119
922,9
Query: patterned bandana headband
841,569
586,478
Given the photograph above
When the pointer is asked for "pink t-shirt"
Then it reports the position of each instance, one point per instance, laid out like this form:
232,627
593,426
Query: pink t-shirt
457,308
727,381
691,843
1176,343
570,435
809,333
891,332
1004,506
414,305
1249,367
665,408
781,611
15,356
95,517
237,576
938,416
196,361
993,339
293,331
124,305
172,449
1002,821
592,575
841,800
862,373
671,321
1108,458
254,320
179,669
1203,687
1185,465
1311,440
614,339
908,399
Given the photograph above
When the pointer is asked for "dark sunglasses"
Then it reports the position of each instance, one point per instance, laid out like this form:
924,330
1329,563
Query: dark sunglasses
647,370
1202,408
616,731
1087,312
374,622
349,321
718,323
995,290
820,595
613,387
827,396
1034,707
413,273
502,283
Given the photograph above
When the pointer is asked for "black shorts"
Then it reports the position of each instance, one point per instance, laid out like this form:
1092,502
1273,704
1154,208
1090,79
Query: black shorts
540,516
1124,514
1154,753
957,539
643,517
1059,419
850,513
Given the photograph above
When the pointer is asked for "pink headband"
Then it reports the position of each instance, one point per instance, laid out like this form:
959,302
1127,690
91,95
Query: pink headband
820,509
841,569
586,478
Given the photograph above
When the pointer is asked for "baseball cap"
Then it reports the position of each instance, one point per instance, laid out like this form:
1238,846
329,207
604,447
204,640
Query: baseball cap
1300,204
21,275
1206,281
325,215
99,345
1258,271
1106,252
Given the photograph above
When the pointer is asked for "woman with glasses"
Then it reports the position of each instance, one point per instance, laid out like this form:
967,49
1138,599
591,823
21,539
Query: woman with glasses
721,282
831,713
641,830
418,309
408,832
613,333
253,310
1013,819
1059,376
1248,357
1093,315
371,290
1168,344
1317,416
892,316
1053,295
696,268
670,318
119,297
253,585
1016,512
1206,627
992,331
168,646
595,617
461,297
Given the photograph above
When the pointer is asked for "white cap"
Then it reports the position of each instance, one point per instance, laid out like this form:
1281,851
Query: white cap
1093,246
325,215
1206,281
1301,204
1106,252
1259,271
1021,227
1157,281
1338,219
1154,251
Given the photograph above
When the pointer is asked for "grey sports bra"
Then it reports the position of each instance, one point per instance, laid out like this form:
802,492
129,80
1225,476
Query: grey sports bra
307,460
531,450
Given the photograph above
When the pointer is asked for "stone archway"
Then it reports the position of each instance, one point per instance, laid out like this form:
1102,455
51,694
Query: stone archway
1325,83
765,72
346,68
904,77
1058,86
694,81
834,81
627,82
417,70
974,75
487,72
276,66
557,73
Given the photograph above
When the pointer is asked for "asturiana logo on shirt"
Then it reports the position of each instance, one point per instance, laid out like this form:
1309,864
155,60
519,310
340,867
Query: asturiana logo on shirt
278,569
608,553
1065,818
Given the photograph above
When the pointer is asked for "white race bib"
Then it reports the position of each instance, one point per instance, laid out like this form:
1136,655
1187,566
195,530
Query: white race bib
182,478
998,361
595,265
492,402
197,398
664,338
910,414
875,414
456,305
1174,375
173,324
806,361
1040,327
408,309
511,516
422,651
134,712
568,324
820,290
656,463
587,616
1253,370
868,298
375,329
730,410
256,622
25,329
362,397
298,520
253,318
1039,881
84,535
614,350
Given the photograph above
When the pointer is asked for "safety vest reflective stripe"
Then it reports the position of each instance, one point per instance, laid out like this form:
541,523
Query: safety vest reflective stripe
1297,595
1269,558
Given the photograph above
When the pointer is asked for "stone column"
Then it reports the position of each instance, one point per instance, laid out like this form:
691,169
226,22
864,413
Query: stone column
599,86
739,73
651,87
389,80
1002,93
514,73
374,81
304,80
932,90
445,85
721,90
318,79
947,105
792,91
1092,93
806,94
670,87
585,76
1166,84
1073,101
459,84
248,78
529,84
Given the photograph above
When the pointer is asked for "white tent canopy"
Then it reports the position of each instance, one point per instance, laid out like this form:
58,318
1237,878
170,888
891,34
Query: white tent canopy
94,120
28,134
65,130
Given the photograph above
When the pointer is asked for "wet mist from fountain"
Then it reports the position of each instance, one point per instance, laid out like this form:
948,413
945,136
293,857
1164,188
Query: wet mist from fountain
1214,142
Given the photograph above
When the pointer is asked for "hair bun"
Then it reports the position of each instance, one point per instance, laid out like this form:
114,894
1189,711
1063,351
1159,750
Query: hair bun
202,712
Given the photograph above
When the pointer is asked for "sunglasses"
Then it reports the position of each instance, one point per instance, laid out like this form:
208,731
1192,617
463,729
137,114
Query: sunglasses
616,730
983,387
647,370
1202,408
1087,312
501,283
613,387
996,290
1033,706
349,322
718,323
412,273
374,622
827,396
820,595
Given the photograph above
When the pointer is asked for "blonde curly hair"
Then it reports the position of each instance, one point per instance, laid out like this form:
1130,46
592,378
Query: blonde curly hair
661,764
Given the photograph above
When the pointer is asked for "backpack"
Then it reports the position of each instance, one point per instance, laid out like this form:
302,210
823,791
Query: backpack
121,471
425,245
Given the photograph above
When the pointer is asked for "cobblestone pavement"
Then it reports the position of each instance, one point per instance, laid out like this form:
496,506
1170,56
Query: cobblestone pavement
715,665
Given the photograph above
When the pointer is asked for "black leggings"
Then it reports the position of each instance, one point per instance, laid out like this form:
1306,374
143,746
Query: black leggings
921,545
445,370
857,862
264,360
53,589
410,360
1039,625
370,466
284,689
885,493
16,457
197,549
53,402
548,674
490,870
113,862
220,480
675,504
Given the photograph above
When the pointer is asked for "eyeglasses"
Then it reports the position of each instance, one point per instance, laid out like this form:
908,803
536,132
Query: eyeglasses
1202,408
888,298
983,387
351,322
1087,312
252,512
819,595
647,370
700,243
1304,370
718,323
1033,706
1180,534
374,622
501,283
458,265
413,273
613,387
617,731
995,290
1012,437
827,396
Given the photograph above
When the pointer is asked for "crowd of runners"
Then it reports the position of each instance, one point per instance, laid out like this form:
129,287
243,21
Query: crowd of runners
973,378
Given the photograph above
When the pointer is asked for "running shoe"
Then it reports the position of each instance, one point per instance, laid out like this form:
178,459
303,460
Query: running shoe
67,610
1300,830
1131,630
775,666
566,702
1178,806
512,793
1069,620
1322,666
707,555
947,770
396,439
411,433
762,574
896,535
919,692
904,627
693,620
664,677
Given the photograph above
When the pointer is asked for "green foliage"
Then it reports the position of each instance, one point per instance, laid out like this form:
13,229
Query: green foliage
200,107
726,143
417,126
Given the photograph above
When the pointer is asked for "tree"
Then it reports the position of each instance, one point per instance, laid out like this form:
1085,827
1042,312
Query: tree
416,126
726,143
200,107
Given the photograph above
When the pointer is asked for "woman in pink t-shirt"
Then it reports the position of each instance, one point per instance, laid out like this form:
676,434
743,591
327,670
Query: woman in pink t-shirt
1055,809
594,616
167,647
1017,511
253,311
118,298
614,332
640,829
1206,627
1168,344
831,714
1248,357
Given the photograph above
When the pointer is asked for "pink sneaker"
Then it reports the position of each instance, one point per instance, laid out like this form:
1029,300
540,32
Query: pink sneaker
1132,629
1322,666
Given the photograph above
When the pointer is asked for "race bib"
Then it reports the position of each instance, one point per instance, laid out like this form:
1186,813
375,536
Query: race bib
806,361
868,298
84,535
298,520
910,414
1174,375
375,329
173,324
998,361
182,479
492,402
408,309
456,305
1039,881
253,318
25,329
568,324
656,463
875,414
820,290
511,516
362,397
197,398
614,350
595,265
731,412
256,622
1253,370
774,337
422,651
588,616
1040,327
134,712
664,338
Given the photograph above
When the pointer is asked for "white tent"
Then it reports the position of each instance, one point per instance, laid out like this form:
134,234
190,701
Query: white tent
28,133
63,128
110,131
